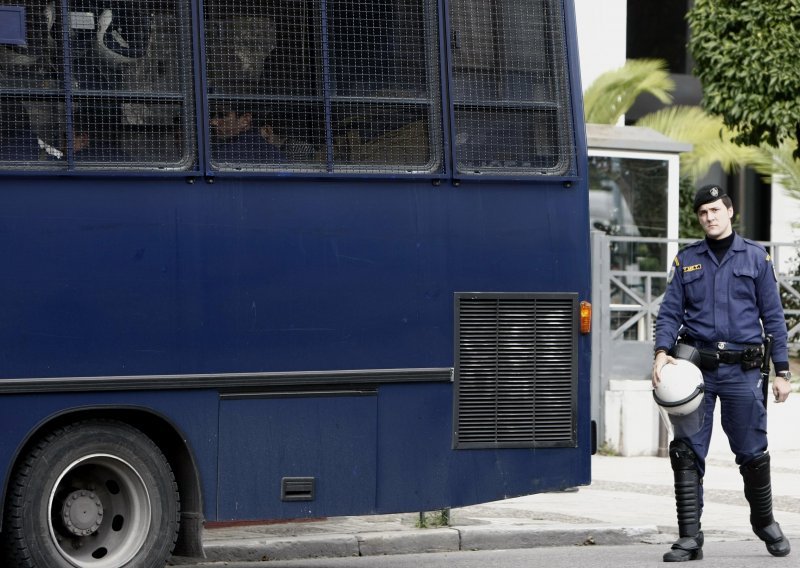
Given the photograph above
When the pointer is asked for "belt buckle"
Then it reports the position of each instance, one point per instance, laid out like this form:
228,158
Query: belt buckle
721,345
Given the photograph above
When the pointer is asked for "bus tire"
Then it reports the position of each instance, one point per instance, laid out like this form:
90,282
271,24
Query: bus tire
93,494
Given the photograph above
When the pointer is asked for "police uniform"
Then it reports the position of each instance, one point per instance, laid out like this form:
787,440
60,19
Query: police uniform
718,306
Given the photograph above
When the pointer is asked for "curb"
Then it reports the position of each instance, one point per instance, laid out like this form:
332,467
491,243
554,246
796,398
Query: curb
452,539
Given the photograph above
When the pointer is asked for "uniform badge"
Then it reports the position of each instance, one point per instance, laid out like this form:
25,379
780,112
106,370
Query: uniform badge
774,272
714,192
672,270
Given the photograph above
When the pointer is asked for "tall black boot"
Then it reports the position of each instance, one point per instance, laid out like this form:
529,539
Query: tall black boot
687,500
758,491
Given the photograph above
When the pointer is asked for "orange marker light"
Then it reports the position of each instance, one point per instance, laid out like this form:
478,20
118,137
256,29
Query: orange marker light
586,316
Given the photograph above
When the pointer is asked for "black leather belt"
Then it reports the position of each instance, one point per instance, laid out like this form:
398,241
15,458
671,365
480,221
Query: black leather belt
720,345
725,352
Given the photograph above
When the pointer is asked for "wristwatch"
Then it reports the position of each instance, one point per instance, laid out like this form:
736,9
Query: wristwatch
785,375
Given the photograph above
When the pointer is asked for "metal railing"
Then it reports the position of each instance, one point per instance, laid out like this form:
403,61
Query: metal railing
629,277
633,295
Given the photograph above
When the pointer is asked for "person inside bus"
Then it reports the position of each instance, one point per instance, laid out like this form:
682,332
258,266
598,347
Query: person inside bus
277,134
238,137
94,136
18,142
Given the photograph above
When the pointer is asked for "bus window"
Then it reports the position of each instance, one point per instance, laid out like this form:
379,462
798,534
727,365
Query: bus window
509,78
385,88
352,89
265,111
125,86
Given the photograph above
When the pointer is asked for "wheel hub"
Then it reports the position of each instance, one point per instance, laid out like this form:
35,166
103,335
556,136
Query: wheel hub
82,512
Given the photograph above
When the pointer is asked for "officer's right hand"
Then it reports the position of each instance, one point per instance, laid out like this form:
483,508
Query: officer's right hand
658,364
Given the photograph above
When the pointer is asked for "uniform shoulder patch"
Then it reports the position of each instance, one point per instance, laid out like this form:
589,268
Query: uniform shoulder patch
772,265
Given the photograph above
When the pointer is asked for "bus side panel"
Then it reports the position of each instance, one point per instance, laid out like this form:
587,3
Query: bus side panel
373,454
330,439
193,413
415,435
255,275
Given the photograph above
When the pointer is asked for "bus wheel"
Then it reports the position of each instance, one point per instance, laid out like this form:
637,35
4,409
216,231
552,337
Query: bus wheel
94,494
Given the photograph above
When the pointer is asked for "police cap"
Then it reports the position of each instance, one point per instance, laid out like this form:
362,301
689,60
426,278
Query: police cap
707,194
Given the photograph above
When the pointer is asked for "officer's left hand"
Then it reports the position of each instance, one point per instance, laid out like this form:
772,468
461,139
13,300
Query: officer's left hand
781,389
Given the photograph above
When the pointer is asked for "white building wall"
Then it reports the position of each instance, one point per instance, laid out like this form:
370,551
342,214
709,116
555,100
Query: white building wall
601,36
785,217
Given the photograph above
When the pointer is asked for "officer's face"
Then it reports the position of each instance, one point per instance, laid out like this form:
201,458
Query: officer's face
715,219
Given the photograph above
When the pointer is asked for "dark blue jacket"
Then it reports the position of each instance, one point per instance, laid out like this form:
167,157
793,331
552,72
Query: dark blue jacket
248,147
712,301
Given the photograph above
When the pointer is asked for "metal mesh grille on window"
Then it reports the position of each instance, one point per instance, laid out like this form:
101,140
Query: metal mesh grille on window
511,99
352,88
103,86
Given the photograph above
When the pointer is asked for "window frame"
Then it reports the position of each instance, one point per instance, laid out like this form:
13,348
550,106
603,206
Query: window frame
563,97
432,106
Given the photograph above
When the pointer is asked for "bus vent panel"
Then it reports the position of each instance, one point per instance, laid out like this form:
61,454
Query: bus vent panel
515,370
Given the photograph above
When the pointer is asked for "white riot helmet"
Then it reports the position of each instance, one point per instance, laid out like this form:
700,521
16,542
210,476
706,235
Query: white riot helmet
681,389
680,393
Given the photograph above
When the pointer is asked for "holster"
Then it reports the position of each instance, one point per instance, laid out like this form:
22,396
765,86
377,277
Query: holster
709,360
752,358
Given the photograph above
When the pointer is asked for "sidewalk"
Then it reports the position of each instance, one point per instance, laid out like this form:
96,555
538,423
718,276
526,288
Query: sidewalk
630,500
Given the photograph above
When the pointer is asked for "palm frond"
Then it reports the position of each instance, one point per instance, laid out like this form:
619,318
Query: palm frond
712,140
613,93
783,167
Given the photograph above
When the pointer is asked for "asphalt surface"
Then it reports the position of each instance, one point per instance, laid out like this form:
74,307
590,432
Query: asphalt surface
630,501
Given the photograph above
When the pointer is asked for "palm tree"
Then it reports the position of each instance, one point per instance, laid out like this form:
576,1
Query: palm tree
613,93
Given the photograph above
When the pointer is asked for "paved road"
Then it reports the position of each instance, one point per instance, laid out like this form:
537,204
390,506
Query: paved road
630,501
728,554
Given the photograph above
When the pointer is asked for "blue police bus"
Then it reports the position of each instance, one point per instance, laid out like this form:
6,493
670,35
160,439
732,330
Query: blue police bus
275,259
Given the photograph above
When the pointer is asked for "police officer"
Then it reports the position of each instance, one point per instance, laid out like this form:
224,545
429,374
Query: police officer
721,296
